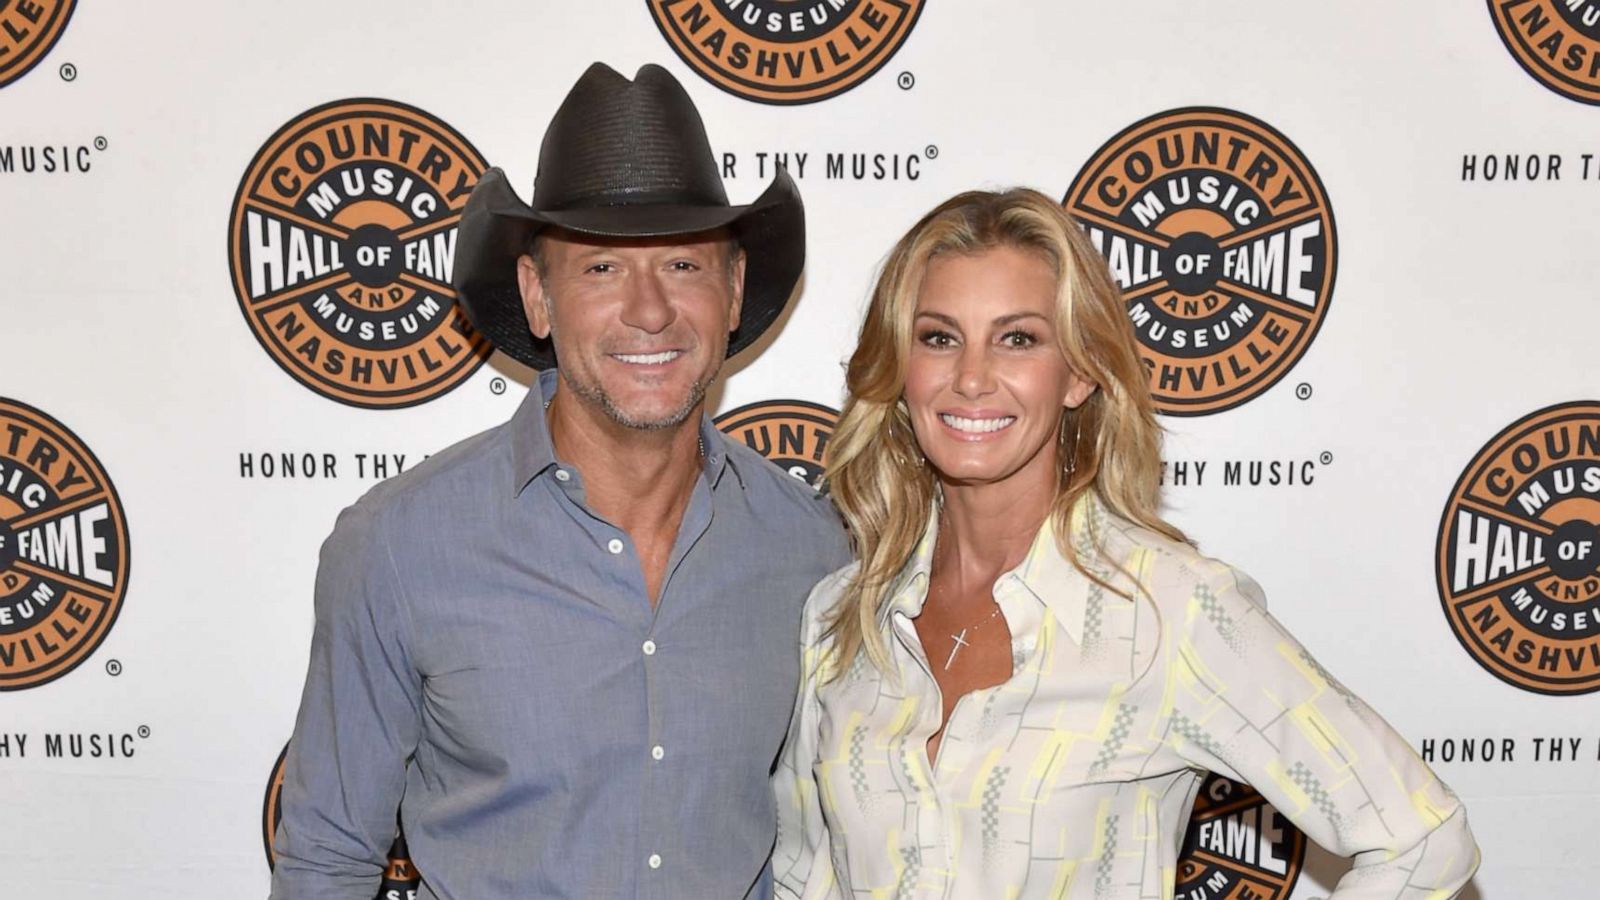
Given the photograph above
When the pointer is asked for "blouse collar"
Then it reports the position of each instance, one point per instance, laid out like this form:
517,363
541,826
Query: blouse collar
1044,571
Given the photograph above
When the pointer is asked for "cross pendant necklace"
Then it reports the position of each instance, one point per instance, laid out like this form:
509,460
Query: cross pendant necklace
960,640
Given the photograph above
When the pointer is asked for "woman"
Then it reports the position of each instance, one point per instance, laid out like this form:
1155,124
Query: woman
1016,690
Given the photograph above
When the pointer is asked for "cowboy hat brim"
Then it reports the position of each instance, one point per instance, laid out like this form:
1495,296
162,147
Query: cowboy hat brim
497,225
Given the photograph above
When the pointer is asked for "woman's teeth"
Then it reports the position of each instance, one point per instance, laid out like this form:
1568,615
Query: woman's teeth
976,426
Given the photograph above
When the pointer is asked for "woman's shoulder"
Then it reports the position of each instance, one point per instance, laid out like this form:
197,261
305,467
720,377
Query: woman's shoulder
824,599
832,585
1171,570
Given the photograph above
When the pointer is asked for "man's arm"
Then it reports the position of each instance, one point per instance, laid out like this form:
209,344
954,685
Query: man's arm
358,726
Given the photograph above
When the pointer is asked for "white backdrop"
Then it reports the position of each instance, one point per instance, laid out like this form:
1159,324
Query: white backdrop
1460,306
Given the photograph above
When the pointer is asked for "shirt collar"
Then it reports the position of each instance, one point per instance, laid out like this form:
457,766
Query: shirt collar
533,454
909,589
718,458
1046,574
1053,579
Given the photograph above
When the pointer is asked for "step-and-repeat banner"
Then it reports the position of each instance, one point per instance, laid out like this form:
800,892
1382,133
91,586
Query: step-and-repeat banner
1357,246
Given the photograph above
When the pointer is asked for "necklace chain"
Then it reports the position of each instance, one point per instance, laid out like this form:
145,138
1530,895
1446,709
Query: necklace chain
959,639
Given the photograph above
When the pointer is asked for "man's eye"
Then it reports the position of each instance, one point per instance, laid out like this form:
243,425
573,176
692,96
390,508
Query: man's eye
601,268
684,265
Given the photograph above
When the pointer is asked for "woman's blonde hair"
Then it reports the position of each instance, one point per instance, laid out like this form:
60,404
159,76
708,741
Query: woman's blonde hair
1111,444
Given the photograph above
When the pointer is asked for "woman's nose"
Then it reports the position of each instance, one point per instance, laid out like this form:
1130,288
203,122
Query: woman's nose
973,375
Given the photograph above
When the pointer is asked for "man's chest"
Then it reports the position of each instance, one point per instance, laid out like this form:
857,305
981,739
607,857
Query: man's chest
560,655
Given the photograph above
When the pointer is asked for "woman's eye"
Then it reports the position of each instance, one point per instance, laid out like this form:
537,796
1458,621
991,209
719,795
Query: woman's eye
937,338
1019,339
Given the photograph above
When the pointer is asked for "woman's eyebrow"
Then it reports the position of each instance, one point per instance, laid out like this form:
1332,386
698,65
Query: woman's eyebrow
1013,317
999,320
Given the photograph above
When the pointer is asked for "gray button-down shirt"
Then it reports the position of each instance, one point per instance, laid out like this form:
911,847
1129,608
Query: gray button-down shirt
486,660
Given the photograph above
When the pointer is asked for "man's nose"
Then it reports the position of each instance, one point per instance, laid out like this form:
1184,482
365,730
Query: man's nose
647,306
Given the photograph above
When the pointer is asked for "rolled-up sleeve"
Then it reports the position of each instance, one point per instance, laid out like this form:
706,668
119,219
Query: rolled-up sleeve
358,725
1249,702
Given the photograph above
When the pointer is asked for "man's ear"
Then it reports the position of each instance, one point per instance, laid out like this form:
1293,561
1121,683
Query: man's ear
736,291
532,287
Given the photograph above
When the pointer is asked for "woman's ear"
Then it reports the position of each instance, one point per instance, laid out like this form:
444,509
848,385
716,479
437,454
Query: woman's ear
1079,389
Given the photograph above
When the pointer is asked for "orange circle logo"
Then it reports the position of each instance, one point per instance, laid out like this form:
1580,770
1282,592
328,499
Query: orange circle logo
28,30
1222,238
63,549
793,434
1519,552
400,878
271,812
1238,846
341,245
1556,41
785,51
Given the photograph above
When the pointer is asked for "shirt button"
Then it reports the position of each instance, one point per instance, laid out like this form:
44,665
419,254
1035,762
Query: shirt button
649,648
614,545
563,475
654,860
656,752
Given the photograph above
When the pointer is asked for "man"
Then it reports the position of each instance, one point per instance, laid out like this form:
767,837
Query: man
566,649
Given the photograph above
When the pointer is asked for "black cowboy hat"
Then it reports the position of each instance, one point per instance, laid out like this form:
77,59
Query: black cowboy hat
623,159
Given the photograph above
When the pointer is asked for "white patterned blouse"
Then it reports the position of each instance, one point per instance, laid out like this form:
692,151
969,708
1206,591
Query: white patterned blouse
1075,778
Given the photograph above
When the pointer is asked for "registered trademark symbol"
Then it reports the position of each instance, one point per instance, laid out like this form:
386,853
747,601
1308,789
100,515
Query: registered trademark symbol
113,668
497,386
1326,457
932,152
144,731
1303,391
69,72
100,143
907,81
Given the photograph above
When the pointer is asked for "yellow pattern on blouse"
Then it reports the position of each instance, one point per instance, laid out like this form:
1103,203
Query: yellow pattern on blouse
1075,777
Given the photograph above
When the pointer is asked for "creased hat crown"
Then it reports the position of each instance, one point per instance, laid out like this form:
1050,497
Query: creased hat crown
616,142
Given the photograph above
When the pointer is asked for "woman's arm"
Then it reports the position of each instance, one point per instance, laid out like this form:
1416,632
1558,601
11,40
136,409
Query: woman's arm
1247,701
801,862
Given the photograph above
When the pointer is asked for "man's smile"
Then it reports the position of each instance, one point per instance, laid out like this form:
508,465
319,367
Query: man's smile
648,359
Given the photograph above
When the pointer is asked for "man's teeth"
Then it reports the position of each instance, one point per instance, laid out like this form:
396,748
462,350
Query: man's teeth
976,426
649,359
